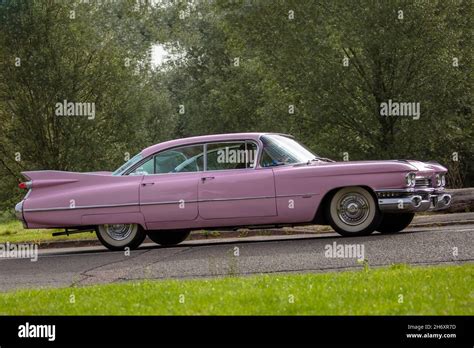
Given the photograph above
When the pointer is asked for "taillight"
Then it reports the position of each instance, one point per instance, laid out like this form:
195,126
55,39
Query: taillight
25,185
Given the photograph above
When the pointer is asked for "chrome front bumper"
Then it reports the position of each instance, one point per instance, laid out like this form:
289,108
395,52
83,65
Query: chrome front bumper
412,200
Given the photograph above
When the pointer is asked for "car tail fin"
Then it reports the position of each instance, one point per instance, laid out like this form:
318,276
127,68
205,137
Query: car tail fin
45,178
26,185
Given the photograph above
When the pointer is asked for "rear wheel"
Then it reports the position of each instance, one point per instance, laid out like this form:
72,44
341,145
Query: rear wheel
353,211
170,237
393,223
120,236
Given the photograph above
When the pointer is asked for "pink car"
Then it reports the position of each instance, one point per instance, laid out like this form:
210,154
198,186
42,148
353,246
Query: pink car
231,181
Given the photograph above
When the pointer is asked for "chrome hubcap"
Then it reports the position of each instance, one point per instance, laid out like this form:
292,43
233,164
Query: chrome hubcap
353,209
118,231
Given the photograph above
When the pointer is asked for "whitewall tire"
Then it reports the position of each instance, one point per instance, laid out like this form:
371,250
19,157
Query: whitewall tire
120,236
353,211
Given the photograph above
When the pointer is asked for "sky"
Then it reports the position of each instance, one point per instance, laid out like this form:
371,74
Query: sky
158,55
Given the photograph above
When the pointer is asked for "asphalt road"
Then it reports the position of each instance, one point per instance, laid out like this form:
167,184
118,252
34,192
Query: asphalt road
237,256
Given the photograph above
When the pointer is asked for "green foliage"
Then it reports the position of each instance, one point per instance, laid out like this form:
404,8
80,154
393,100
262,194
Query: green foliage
82,53
291,54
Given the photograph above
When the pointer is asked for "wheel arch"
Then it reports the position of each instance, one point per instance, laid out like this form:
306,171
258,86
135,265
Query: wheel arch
114,218
319,216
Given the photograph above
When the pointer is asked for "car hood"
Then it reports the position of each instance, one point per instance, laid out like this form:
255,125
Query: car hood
384,166
427,166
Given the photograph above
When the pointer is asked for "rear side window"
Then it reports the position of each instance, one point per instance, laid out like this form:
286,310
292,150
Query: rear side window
183,159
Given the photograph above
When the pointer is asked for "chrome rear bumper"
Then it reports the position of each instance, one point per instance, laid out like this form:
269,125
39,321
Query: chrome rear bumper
19,212
412,201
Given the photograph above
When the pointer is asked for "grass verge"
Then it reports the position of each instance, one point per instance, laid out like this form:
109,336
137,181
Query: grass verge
400,289
13,232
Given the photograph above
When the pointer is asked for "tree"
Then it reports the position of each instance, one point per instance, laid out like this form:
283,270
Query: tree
323,70
80,54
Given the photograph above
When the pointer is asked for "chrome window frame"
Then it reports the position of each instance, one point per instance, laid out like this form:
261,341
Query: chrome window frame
204,145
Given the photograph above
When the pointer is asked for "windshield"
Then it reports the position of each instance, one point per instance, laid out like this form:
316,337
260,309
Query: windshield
278,149
124,167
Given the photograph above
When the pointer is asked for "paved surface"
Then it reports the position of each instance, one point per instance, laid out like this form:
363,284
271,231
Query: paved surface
267,254
435,220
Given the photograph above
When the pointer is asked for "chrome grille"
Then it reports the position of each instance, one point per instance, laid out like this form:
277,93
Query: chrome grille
423,182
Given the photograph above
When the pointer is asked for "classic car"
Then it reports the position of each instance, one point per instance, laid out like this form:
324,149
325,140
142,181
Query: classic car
231,181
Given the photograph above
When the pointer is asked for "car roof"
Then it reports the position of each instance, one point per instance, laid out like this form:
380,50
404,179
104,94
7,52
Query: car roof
203,138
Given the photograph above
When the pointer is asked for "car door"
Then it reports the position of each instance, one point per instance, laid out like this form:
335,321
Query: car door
166,193
231,187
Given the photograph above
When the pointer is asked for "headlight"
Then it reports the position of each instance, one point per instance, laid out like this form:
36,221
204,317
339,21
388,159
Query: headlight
410,179
440,180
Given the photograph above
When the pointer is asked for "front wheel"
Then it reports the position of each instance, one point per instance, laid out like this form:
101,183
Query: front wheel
171,237
120,236
393,223
353,211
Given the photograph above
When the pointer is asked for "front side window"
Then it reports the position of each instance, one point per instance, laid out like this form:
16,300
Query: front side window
232,155
278,150
194,161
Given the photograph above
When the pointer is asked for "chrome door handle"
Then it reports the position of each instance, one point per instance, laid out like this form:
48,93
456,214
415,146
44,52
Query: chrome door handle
207,178
147,183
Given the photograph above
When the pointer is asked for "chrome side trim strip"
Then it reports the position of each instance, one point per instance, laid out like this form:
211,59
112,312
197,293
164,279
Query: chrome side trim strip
305,195
169,202
227,199
81,207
